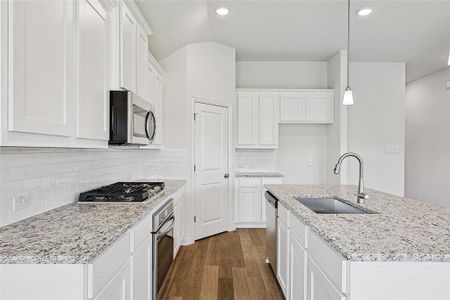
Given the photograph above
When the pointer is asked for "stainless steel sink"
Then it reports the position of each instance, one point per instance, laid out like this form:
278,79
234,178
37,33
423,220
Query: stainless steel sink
330,206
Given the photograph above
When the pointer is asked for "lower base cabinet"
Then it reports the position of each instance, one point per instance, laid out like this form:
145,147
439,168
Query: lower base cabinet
119,287
298,262
283,257
250,208
320,287
141,262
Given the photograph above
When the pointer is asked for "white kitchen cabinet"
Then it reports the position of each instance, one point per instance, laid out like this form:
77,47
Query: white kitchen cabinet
298,262
292,107
250,208
320,287
257,120
283,256
92,111
249,204
247,120
180,224
306,106
158,108
41,66
128,48
141,274
119,287
268,120
143,73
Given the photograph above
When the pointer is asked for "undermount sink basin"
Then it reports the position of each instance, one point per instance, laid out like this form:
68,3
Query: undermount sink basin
329,206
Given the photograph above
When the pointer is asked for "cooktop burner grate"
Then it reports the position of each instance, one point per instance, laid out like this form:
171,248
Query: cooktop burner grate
123,192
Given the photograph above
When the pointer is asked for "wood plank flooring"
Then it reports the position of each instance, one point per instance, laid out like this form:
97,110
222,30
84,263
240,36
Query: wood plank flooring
229,265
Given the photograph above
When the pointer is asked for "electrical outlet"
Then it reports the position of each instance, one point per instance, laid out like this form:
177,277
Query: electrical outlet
310,162
393,149
21,202
448,84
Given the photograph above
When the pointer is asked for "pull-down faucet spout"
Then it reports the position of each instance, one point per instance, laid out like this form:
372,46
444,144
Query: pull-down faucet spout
361,196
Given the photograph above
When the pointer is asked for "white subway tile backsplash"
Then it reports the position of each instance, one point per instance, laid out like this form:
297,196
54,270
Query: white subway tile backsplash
55,177
256,160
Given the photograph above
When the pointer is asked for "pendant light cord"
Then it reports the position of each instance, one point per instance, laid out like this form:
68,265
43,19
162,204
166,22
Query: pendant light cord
348,43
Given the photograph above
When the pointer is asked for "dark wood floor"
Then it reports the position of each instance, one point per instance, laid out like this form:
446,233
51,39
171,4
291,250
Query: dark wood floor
230,265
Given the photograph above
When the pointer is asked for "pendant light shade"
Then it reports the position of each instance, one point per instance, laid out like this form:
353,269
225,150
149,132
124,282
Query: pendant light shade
348,97
348,94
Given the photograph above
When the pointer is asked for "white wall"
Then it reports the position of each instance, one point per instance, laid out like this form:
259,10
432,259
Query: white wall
298,143
376,122
337,132
428,139
258,74
50,178
202,70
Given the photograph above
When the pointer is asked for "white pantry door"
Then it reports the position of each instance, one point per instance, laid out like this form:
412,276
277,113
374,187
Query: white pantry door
211,169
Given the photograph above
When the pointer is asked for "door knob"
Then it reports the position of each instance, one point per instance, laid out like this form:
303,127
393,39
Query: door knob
226,175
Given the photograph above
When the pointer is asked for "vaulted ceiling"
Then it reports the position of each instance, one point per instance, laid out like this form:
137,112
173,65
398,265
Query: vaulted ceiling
416,32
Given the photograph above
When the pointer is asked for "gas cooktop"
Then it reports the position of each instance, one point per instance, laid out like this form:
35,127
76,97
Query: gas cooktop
123,192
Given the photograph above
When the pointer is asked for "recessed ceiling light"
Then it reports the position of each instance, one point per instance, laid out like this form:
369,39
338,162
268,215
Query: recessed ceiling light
222,11
363,12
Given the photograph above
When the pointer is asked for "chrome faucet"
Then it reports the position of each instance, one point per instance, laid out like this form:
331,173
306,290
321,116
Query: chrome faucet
361,196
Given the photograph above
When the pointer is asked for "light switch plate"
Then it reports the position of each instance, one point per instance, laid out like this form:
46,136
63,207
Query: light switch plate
448,84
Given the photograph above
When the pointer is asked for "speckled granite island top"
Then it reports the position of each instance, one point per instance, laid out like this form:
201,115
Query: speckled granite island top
258,174
76,233
402,229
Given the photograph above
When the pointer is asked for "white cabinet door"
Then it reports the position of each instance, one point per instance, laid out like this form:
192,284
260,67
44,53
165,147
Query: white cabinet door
319,107
249,202
119,287
141,264
298,262
128,59
268,120
247,119
41,67
269,180
320,287
92,103
144,75
283,257
179,211
158,108
292,107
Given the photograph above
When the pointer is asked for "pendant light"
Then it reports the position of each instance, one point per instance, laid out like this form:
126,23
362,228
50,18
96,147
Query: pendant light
348,94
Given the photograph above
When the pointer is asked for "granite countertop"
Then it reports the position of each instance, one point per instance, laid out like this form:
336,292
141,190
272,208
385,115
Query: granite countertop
401,230
258,174
76,233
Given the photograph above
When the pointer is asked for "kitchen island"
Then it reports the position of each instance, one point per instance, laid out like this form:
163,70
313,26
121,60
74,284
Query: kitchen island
399,250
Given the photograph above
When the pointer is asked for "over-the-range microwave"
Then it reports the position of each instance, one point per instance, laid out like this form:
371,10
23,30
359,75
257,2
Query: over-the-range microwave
132,121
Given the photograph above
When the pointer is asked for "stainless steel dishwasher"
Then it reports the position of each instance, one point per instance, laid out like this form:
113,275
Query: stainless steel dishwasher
271,230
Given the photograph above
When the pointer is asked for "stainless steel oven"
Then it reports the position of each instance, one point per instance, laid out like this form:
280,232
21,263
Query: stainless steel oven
163,243
132,121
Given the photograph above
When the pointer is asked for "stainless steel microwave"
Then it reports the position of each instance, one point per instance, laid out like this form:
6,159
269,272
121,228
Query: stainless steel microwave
132,121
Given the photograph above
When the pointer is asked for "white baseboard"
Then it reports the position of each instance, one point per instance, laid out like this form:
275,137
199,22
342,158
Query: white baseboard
250,225
189,240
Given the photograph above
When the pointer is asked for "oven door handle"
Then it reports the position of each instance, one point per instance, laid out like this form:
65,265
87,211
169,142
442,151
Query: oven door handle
165,228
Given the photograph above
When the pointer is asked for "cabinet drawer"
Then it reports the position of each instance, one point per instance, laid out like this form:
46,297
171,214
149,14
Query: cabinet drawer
105,267
140,232
283,214
330,262
299,230
251,182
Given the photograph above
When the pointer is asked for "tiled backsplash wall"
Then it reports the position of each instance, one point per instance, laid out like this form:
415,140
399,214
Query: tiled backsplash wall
48,178
257,160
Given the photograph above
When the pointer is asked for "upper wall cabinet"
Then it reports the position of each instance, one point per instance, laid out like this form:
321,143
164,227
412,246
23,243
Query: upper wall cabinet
54,70
257,120
41,66
306,106
93,98
128,49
